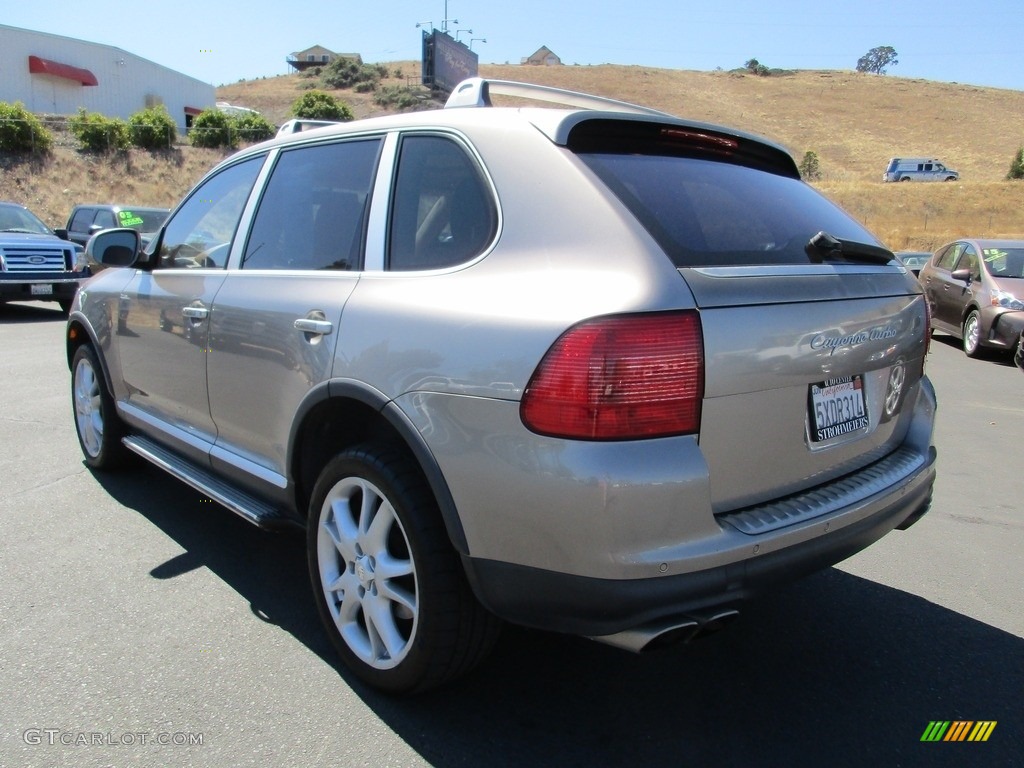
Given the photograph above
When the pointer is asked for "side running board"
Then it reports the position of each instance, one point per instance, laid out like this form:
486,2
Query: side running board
247,507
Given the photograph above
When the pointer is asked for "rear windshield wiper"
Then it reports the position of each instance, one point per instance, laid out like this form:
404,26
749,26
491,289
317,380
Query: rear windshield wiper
824,246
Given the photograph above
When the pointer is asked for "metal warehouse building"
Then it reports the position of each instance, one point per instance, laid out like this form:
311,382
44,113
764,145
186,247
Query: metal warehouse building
56,75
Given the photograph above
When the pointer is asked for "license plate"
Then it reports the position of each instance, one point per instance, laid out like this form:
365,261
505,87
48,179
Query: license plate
837,408
41,289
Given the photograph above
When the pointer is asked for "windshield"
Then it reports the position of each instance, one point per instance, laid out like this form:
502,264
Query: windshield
14,218
1004,262
707,213
141,220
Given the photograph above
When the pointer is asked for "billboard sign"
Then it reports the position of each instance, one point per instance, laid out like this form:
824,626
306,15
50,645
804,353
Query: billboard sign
446,61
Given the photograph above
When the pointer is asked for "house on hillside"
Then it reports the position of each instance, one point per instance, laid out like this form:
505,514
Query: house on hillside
544,56
318,56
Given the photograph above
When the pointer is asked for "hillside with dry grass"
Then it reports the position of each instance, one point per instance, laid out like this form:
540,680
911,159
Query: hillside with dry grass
853,122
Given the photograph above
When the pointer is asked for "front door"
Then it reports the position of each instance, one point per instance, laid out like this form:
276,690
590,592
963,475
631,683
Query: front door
163,319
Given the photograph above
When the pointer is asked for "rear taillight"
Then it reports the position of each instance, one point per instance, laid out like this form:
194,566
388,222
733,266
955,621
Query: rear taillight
621,377
927,331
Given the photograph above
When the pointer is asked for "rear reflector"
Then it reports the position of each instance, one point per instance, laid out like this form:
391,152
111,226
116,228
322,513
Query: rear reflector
622,377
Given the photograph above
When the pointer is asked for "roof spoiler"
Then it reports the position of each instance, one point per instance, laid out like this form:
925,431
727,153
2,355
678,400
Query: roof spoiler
476,92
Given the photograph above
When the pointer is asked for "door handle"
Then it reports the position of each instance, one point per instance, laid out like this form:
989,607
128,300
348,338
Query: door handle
319,327
196,313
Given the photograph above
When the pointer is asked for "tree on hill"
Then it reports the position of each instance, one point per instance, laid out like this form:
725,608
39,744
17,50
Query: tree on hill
1016,166
877,60
754,67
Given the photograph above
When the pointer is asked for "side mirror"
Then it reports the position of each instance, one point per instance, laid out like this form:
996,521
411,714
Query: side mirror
114,248
963,275
61,233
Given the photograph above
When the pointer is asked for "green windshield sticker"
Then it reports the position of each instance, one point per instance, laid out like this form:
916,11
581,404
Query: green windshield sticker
129,219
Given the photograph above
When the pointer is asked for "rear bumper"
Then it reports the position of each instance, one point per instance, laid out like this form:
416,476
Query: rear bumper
589,606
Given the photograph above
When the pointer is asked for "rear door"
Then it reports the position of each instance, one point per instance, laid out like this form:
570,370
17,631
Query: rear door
275,321
946,295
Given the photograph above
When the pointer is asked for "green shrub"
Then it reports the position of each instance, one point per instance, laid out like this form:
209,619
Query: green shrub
399,97
98,133
153,128
21,131
252,127
317,105
212,128
346,73
1017,166
810,169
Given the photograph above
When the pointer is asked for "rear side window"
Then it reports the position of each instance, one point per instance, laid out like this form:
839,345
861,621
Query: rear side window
710,212
443,213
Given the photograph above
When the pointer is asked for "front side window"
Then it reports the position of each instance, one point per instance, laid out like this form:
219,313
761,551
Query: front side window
969,261
312,212
443,213
202,230
81,220
949,257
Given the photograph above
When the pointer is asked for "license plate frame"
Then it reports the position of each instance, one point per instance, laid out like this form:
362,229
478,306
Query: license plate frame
836,408
41,289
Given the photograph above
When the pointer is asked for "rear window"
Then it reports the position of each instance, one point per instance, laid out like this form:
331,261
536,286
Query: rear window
709,212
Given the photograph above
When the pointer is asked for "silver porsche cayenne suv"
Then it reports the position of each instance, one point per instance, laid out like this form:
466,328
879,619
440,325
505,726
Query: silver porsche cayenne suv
595,370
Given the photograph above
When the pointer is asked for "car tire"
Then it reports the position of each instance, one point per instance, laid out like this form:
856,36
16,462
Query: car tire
972,334
904,178
418,627
97,424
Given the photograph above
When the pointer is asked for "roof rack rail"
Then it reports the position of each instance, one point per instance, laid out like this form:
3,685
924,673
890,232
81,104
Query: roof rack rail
476,92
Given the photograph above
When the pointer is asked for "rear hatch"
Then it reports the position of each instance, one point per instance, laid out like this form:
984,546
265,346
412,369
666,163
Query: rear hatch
814,343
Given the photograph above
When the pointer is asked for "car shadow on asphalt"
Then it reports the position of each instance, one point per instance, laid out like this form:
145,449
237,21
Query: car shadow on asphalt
835,670
12,314
985,355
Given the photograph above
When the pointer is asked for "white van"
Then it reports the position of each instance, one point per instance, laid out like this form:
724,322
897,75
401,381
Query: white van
918,169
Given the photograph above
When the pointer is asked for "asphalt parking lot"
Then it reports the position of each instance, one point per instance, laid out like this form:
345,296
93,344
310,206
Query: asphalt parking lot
144,626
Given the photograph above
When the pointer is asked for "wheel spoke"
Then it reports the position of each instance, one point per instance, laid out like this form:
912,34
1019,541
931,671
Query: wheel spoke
375,538
390,567
341,530
368,508
380,623
406,600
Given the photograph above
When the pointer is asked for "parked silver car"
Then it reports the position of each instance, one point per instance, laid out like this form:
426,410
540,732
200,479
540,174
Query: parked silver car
596,370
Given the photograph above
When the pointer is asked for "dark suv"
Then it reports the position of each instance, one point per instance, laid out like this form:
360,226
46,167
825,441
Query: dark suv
600,371
86,220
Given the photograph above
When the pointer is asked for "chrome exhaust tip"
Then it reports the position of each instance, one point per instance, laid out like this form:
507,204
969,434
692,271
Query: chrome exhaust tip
679,629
